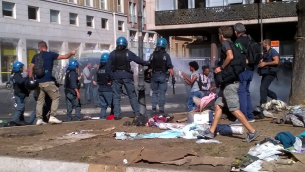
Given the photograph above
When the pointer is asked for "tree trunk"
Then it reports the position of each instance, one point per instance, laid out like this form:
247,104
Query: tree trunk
297,93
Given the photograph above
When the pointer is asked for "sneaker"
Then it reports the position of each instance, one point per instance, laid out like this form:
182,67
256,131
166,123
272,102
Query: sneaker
154,109
208,134
161,111
54,120
110,117
251,136
117,118
40,122
236,123
251,120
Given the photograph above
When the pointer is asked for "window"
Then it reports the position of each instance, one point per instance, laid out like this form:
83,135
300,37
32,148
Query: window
73,1
104,4
54,16
33,13
121,26
132,12
89,21
135,12
8,9
89,3
73,19
120,6
144,15
104,23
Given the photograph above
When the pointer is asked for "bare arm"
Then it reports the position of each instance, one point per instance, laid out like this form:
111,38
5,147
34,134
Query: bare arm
66,56
275,61
189,80
228,59
31,70
171,71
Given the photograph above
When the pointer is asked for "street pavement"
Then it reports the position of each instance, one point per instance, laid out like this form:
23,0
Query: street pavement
174,103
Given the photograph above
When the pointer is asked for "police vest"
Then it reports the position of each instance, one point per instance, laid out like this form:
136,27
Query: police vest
18,88
120,61
102,77
67,80
158,62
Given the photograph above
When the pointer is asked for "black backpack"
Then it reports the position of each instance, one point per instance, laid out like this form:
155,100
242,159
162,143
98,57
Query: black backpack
38,70
253,52
239,61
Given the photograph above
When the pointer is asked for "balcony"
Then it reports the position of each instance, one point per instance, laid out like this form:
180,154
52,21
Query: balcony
226,13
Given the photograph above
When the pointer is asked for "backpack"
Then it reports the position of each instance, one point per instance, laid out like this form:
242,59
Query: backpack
239,61
253,52
38,70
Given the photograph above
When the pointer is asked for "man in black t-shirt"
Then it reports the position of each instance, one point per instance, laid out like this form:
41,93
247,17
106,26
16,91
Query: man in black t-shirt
245,77
227,95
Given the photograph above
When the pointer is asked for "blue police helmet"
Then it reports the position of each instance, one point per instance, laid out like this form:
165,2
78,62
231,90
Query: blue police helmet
104,57
17,66
121,41
73,64
162,42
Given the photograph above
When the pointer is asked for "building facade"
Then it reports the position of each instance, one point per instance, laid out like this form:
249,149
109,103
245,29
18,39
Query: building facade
63,24
149,37
275,20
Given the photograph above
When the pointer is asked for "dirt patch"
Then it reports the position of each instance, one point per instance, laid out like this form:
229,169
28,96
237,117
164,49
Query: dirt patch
98,148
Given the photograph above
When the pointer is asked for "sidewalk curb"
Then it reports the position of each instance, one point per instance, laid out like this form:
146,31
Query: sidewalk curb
98,110
14,164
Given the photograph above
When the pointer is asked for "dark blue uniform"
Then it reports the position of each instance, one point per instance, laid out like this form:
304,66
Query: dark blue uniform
71,83
118,67
20,93
104,89
160,62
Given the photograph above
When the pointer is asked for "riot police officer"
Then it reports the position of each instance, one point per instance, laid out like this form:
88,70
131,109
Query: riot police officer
160,63
20,91
72,91
104,82
118,67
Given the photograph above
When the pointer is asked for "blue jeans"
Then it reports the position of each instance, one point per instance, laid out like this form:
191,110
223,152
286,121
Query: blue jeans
190,104
88,92
106,101
95,93
19,109
117,89
244,94
73,102
159,87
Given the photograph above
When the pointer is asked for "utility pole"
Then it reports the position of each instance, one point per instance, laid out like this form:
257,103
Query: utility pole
141,89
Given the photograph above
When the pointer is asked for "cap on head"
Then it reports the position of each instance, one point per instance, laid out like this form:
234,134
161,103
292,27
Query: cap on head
73,64
121,41
17,66
161,42
240,28
104,58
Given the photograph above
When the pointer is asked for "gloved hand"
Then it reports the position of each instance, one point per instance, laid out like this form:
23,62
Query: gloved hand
173,80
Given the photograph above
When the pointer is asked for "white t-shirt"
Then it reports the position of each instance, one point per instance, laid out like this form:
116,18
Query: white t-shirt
195,86
85,73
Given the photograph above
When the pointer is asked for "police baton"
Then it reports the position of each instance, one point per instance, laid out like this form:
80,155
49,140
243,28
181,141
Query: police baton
174,89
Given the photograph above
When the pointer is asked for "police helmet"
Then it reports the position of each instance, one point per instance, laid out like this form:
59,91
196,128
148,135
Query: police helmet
104,57
17,66
31,84
73,64
121,41
161,42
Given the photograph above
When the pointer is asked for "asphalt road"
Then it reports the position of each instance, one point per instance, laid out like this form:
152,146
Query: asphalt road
174,103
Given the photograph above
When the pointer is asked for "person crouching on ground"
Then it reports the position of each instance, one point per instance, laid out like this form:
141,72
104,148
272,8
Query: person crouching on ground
20,91
72,91
193,82
104,89
228,90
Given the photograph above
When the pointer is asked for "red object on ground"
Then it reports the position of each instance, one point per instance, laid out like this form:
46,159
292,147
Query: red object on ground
110,117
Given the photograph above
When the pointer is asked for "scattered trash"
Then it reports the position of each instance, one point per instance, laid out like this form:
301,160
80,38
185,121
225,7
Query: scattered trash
109,129
95,118
204,117
268,114
254,167
76,133
207,141
3,121
125,161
